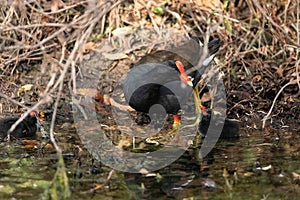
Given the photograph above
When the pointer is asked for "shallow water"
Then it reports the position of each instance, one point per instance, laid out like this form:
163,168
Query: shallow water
259,165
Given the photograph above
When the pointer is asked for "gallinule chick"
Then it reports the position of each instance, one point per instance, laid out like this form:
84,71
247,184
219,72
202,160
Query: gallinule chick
26,129
167,78
230,127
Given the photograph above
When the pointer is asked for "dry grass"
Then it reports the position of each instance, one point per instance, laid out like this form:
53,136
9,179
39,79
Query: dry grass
259,56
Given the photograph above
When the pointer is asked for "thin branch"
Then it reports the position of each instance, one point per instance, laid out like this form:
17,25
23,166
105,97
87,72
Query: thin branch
72,59
12,100
273,23
274,101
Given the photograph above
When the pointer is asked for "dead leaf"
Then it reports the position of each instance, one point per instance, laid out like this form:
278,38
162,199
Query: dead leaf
256,78
114,56
24,88
27,87
90,92
49,146
33,142
120,32
248,174
210,4
97,186
89,46
30,144
205,97
56,4
279,71
296,176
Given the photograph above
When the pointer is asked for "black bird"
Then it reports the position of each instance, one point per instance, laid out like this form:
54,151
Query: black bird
26,129
220,127
167,77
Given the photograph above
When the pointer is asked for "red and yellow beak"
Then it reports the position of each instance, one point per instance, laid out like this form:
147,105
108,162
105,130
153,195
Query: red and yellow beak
183,76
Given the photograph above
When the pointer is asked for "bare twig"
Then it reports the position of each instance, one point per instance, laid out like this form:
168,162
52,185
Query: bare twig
274,101
12,100
73,58
257,4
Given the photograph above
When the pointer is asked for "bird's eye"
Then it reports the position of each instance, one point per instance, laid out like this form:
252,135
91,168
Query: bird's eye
191,78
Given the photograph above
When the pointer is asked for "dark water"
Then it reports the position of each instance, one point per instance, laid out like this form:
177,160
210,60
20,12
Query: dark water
259,165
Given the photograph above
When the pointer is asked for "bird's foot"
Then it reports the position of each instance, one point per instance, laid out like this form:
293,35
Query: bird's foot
176,124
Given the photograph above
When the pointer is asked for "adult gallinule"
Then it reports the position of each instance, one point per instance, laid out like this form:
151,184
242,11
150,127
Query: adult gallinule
166,78
27,128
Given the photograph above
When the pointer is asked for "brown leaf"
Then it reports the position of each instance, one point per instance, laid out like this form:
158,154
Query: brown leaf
24,88
206,97
279,71
256,78
119,32
90,92
30,144
296,176
49,146
210,4
115,56
97,186
248,174
89,46
56,4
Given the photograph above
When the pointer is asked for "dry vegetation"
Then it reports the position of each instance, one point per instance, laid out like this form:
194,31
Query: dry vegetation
43,43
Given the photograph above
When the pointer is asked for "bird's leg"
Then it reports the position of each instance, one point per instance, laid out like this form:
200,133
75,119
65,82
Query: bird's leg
197,101
176,123
199,107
